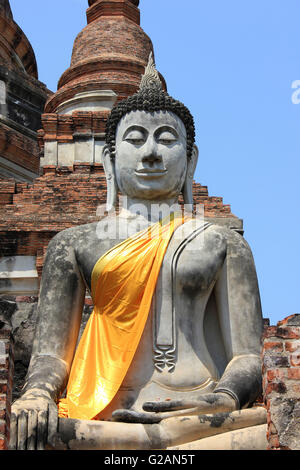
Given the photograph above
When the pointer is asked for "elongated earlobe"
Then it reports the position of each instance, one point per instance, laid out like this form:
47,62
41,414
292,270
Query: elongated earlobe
112,189
188,184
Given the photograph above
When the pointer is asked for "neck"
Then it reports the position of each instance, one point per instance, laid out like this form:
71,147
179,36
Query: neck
150,210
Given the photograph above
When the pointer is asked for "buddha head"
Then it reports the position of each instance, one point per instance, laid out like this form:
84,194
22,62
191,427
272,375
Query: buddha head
150,151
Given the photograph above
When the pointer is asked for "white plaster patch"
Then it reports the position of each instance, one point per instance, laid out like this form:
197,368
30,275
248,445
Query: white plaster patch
99,145
65,154
84,151
96,100
2,92
2,352
18,275
50,154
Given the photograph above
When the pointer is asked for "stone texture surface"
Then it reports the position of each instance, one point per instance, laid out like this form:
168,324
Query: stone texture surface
171,433
6,380
19,315
251,438
281,382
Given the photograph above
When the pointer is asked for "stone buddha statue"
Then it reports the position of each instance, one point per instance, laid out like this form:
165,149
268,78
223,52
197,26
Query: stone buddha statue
172,353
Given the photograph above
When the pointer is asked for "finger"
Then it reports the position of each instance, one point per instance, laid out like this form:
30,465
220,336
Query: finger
13,431
174,414
42,429
52,425
164,406
22,430
32,429
129,416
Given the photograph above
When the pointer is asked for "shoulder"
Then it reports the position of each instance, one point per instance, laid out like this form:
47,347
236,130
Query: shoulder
234,241
73,237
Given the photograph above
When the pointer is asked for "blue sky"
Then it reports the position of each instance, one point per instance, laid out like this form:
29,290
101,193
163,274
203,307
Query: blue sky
233,64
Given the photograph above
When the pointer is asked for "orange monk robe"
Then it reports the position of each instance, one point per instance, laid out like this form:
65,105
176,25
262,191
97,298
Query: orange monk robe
123,284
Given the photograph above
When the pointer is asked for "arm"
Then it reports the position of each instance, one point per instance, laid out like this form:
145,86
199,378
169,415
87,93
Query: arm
239,307
59,315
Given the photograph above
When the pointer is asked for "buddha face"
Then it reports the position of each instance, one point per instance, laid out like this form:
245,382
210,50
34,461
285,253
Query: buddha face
151,155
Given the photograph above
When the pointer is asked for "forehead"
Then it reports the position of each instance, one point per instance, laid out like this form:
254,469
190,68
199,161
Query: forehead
151,121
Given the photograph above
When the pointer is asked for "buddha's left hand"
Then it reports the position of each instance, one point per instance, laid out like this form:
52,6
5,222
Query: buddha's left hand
209,403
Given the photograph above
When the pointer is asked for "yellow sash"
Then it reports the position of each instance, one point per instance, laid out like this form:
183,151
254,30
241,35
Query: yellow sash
123,284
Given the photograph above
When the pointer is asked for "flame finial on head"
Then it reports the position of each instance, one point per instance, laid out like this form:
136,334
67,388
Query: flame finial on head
151,98
150,79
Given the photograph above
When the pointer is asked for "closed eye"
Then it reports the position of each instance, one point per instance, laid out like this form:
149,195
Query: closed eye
135,137
166,138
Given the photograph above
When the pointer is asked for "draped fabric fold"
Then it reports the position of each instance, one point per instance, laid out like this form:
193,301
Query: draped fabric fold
123,284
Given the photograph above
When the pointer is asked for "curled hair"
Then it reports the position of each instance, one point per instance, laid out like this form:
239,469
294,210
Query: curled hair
150,100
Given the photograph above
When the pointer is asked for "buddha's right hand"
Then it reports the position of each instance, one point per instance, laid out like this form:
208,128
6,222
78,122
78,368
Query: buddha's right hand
34,419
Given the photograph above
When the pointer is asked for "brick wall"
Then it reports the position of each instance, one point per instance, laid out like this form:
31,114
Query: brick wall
62,128
6,382
19,148
281,383
31,214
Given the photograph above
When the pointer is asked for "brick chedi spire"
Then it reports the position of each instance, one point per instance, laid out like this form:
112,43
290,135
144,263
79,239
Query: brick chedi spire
108,60
110,53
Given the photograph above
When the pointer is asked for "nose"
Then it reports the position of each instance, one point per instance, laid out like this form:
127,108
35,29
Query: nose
150,152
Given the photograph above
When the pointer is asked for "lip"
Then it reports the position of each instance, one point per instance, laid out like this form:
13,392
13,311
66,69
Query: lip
149,173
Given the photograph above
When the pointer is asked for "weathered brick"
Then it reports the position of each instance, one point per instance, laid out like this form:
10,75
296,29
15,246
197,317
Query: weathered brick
291,320
274,441
278,387
294,373
270,332
281,374
273,375
3,387
3,443
2,426
295,359
295,388
272,429
292,346
288,332
273,345
274,361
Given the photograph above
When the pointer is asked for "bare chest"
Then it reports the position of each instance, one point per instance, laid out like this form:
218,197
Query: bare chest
191,262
